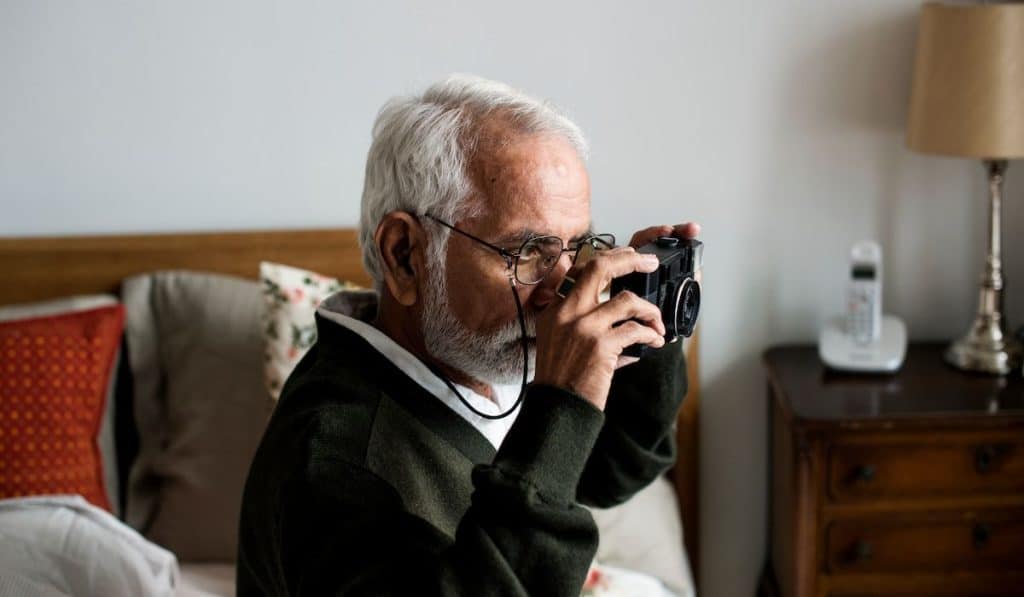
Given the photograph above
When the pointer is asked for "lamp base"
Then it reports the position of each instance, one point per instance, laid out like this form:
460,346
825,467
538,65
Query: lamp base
987,347
985,354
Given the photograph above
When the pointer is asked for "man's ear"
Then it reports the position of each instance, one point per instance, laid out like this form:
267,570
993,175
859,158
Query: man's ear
401,241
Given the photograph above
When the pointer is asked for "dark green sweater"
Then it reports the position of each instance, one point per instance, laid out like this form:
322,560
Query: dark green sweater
365,484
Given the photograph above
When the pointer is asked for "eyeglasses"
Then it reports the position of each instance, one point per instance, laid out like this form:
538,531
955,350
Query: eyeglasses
539,254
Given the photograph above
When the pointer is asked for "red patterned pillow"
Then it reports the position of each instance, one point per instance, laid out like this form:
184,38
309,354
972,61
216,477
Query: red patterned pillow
53,382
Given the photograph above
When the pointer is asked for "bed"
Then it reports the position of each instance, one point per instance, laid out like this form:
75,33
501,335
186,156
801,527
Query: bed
38,269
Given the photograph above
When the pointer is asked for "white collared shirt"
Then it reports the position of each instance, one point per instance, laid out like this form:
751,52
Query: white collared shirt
505,395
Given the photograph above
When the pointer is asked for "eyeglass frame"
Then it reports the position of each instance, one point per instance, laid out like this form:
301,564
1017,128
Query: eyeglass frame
512,258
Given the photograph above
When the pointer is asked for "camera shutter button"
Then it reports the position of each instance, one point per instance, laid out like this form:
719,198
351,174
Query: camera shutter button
667,241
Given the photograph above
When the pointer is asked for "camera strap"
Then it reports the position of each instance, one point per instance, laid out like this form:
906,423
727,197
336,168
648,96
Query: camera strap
526,365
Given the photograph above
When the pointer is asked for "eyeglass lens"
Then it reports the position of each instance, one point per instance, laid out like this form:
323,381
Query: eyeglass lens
538,256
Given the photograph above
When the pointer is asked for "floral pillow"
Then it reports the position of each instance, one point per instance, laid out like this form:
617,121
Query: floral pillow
290,298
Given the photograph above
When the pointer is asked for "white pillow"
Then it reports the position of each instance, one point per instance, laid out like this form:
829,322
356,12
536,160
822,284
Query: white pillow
290,298
645,535
63,545
59,306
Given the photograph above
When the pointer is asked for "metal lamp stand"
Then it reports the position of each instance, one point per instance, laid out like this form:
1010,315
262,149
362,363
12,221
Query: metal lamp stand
987,347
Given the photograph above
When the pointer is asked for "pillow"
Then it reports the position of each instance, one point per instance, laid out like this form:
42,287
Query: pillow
62,545
107,437
645,534
56,377
195,348
290,298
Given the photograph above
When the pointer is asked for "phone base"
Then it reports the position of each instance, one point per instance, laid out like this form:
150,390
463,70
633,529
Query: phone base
840,351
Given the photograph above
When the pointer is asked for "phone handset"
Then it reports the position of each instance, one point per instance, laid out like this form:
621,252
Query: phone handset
862,339
864,294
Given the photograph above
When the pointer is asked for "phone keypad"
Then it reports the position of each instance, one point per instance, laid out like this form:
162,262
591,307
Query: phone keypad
860,316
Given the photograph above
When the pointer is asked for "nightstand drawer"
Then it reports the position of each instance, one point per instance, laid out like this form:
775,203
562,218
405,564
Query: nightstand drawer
989,541
954,467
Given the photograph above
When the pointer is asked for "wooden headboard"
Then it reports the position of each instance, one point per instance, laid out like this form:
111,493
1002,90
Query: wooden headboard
41,268
44,268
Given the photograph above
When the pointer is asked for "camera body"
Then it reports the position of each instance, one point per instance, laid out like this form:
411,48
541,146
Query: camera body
673,287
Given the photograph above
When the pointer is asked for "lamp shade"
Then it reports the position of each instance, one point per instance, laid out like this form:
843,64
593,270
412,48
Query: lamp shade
968,91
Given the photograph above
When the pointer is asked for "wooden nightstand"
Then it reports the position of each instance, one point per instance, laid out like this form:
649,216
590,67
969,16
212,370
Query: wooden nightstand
904,484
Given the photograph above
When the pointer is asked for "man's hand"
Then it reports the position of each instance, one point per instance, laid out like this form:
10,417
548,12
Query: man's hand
580,339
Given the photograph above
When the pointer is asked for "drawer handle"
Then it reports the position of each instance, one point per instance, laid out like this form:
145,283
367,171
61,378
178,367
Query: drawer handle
981,534
864,473
984,458
988,456
861,551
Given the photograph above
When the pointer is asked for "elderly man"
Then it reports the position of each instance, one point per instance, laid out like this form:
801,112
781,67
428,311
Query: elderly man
407,455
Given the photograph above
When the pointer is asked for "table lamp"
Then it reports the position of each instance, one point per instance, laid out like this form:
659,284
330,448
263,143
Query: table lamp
967,100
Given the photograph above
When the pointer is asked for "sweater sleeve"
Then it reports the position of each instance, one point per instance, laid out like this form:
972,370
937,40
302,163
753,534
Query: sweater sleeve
523,533
637,442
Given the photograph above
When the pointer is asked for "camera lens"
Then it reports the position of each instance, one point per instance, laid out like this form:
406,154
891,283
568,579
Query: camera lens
687,307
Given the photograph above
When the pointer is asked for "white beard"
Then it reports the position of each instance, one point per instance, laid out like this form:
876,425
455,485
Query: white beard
495,359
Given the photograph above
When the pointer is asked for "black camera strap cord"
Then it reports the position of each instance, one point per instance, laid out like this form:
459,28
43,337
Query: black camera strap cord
526,365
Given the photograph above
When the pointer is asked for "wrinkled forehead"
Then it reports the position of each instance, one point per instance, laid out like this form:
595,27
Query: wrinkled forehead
531,185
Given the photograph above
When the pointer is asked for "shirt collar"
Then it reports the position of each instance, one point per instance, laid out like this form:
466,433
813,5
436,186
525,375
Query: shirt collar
353,309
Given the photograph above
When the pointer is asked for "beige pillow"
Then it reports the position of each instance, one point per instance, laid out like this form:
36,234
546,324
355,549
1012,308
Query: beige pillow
290,298
196,353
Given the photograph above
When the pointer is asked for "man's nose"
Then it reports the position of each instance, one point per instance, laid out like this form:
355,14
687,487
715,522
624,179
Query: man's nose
544,293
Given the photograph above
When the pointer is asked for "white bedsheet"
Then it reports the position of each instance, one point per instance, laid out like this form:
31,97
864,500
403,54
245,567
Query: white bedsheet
63,545
218,580
207,580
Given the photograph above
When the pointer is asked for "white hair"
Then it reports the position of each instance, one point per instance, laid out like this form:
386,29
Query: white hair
422,148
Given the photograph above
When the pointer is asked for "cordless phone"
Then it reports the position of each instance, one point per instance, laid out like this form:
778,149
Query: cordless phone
862,339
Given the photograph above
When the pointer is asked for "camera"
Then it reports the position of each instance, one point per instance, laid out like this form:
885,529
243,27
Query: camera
673,287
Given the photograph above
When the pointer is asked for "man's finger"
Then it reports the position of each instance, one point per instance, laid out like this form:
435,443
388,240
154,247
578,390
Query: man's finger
649,235
628,306
686,230
600,271
631,333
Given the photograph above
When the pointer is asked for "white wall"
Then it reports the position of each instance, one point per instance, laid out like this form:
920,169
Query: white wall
778,125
